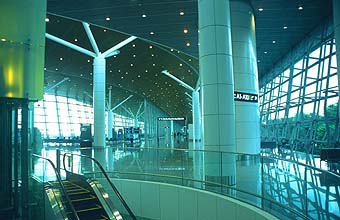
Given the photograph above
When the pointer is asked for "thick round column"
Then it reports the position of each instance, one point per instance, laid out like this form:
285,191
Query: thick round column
22,48
247,120
336,24
217,85
196,111
99,101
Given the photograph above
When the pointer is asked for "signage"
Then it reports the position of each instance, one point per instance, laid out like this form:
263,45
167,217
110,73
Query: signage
245,97
171,119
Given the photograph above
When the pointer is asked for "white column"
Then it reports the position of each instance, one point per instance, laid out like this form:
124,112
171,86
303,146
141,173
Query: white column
99,67
247,120
172,129
109,115
336,24
109,123
135,122
196,111
217,85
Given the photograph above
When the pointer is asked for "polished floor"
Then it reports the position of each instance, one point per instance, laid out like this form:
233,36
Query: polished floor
282,177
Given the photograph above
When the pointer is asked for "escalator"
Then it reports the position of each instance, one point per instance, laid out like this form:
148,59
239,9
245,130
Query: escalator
84,201
76,196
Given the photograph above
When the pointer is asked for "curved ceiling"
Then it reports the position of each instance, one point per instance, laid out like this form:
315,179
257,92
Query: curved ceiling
280,25
136,70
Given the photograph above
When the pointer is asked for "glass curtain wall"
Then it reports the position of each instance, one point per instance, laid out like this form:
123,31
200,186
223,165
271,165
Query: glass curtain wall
299,106
58,116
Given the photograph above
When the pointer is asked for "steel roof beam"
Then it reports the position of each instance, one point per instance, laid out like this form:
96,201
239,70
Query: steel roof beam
70,45
165,72
113,50
91,38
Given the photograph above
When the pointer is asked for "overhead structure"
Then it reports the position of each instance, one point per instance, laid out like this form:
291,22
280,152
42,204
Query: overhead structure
196,108
99,78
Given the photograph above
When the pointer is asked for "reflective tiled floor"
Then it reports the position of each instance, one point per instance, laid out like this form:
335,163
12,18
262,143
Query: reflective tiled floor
273,176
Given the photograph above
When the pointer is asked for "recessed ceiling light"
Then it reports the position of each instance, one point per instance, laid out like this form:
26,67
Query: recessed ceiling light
45,68
56,69
143,15
81,74
152,55
107,18
188,44
259,61
285,27
118,71
131,64
91,74
134,55
300,8
75,39
265,52
127,73
138,76
146,71
60,58
104,30
185,31
152,33
47,19
181,13
274,42
153,64
150,47
133,45
88,61
180,64
3,39
261,9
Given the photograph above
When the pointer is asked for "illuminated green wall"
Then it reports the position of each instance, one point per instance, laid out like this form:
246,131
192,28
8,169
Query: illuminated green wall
22,48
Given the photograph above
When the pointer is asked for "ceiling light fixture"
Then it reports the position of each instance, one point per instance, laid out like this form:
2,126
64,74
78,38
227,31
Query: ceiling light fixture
75,39
188,44
108,18
274,42
181,13
150,47
3,39
300,8
60,58
265,52
104,30
143,15
47,20
152,33
185,31
133,45
285,27
260,9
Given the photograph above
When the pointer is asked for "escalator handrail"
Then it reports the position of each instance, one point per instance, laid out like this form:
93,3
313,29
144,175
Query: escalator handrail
107,178
61,185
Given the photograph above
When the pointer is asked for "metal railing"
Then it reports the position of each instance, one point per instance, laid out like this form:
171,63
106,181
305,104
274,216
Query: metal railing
59,183
102,172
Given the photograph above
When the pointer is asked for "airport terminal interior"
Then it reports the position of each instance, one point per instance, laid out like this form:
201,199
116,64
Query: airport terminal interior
169,110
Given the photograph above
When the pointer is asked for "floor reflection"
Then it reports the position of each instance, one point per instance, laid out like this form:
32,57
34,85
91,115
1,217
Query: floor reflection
307,190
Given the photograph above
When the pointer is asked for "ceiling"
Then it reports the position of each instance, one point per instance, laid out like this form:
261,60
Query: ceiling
280,26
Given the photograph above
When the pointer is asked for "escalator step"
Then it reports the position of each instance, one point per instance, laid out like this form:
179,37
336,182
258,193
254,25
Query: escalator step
83,199
97,207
